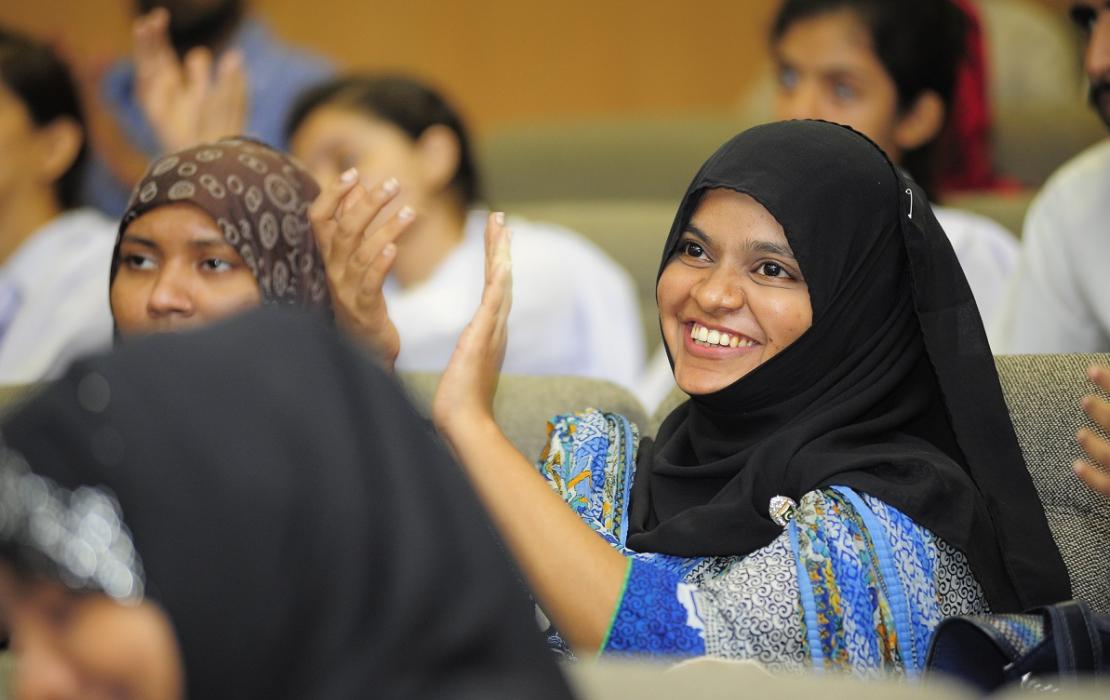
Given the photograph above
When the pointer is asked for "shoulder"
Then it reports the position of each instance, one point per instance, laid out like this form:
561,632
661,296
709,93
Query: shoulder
590,426
1080,185
260,45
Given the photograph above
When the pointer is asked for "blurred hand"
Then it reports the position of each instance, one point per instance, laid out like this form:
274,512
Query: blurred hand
358,253
466,389
185,102
1096,471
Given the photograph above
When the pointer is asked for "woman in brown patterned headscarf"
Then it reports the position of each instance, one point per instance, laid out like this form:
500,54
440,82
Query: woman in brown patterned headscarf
212,230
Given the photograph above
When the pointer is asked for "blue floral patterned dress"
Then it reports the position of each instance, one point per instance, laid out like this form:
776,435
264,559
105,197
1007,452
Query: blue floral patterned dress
850,584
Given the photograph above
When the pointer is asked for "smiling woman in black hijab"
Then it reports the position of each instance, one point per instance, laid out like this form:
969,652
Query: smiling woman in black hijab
268,520
845,473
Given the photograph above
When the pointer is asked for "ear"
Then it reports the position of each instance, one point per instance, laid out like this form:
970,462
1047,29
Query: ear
921,123
439,152
59,143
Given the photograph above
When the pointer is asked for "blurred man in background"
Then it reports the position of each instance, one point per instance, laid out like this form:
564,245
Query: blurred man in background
1059,300
201,51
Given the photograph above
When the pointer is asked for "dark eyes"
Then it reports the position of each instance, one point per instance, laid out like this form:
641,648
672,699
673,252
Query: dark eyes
772,269
788,78
694,250
1084,17
216,265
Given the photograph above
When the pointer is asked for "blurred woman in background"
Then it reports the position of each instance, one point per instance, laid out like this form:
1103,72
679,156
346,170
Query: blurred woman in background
575,311
53,255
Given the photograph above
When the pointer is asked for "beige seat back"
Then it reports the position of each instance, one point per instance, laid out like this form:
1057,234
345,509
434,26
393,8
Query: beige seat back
524,404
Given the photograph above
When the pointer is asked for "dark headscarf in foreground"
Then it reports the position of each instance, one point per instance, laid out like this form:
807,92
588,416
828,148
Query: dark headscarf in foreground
891,391
299,523
259,198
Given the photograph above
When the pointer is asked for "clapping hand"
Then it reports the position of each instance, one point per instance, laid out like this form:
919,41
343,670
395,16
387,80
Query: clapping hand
186,102
464,397
1096,470
358,251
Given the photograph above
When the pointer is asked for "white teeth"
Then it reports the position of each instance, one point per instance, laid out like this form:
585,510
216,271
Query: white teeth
702,334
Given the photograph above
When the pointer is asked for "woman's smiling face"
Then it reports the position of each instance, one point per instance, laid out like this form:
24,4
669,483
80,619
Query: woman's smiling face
732,295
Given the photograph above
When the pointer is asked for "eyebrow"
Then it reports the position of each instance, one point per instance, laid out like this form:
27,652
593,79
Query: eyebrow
756,246
211,242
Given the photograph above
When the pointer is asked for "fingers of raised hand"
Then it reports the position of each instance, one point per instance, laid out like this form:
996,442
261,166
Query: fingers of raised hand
1100,376
365,261
323,210
362,205
1096,478
1098,409
1095,446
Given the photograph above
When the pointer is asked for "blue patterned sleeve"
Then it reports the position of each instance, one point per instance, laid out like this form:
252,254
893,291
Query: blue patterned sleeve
651,618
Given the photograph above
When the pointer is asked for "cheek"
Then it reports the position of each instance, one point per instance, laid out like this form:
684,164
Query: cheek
127,298
217,298
787,319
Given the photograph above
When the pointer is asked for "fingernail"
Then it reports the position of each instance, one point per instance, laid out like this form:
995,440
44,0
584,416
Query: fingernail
348,176
389,250
1085,402
1092,373
390,186
499,218
406,213
1077,466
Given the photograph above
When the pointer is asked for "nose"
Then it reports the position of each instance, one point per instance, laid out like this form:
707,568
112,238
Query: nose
720,291
1097,56
171,295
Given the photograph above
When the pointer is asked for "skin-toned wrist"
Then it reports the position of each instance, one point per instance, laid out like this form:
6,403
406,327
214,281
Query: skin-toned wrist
469,433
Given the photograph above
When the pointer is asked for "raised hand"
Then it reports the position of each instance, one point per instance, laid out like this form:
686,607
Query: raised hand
1096,471
184,101
358,251
465,391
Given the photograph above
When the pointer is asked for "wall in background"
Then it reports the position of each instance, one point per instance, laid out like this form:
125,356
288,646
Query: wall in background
504,61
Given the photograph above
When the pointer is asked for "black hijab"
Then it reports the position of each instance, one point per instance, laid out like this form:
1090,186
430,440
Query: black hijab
891,391
298,522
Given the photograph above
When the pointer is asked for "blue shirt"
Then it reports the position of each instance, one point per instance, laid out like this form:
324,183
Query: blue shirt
276,76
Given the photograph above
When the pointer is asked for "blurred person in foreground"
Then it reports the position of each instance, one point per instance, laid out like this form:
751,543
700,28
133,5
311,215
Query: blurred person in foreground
1060,297
271,519
53,254
203,69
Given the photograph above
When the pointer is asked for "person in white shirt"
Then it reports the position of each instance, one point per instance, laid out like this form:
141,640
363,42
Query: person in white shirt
575,311
54,259
1060,297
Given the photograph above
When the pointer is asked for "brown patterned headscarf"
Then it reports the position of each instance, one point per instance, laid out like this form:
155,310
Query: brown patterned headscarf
259,197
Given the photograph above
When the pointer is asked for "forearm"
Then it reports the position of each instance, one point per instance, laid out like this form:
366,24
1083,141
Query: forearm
575,575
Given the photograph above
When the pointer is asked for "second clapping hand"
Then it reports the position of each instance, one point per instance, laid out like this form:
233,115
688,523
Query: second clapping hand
358,252
465,393
560,556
